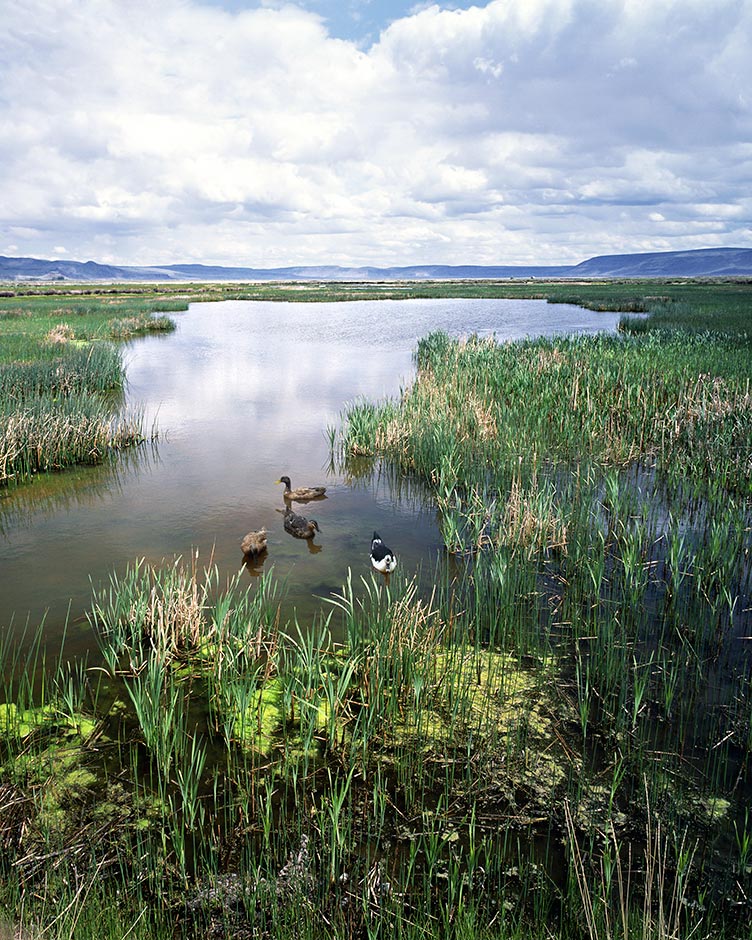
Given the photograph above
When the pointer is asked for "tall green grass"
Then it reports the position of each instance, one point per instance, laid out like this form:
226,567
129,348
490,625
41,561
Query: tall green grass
440,772
480,410
43,320
596,492
62,371
59,411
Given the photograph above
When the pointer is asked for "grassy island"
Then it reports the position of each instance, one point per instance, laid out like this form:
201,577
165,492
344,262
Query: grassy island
61,373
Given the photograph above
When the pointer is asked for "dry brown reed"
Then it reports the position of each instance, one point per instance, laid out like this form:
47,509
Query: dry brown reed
615,902
59,335
174,614
532,520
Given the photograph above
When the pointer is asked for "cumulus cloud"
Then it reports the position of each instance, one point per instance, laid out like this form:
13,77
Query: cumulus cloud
511,132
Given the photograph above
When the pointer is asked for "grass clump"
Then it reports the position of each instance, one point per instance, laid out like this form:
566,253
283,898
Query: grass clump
51,434
126,327
59,404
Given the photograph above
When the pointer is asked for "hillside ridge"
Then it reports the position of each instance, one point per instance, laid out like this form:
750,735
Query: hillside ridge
698,262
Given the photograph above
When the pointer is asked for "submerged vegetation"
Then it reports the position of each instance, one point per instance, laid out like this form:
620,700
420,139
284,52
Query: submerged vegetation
552,742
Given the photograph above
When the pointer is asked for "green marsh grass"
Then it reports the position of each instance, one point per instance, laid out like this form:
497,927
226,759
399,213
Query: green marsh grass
390,759
59,385
45,436
667,400
477,762
597,489
370,754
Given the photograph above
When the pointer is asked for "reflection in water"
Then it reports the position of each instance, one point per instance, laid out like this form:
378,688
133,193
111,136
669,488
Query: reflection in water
74,490
305,500
371,474
235,400
254,564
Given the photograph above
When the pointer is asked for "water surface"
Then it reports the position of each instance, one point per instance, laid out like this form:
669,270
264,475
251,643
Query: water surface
242,392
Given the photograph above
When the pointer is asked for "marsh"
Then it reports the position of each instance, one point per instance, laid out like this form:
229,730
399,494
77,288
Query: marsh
242,392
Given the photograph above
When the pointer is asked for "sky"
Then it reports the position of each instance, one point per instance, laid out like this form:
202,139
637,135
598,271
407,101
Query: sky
373,132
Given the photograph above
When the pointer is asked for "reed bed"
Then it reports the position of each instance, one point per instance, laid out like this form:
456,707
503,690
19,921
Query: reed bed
144,322
60,411
597,492
680,404
59,319
434,774
95,369
80,430
163,796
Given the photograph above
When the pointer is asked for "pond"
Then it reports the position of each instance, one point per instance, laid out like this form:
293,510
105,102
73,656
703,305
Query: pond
241,393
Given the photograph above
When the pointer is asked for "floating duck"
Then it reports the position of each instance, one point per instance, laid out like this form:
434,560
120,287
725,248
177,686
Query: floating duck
383,559
301,493
254,542
299,526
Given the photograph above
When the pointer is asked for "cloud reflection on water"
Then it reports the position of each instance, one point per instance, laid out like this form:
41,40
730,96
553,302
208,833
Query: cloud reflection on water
242,393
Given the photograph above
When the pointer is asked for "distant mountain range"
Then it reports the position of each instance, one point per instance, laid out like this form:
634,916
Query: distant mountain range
701,262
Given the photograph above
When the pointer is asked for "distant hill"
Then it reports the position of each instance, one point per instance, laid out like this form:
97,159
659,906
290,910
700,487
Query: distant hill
17,269
202,272
701,262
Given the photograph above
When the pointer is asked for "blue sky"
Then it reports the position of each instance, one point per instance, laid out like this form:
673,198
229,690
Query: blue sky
360,21
275,133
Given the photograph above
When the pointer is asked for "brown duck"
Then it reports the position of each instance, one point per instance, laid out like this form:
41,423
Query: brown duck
301,493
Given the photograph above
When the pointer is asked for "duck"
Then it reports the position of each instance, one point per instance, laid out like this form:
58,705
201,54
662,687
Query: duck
383,558
253,543
301,493
299,526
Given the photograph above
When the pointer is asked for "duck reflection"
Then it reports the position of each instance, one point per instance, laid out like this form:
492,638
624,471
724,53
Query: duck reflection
254,564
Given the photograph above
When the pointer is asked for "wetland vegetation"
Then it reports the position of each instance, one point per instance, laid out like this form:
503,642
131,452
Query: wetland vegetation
553,742
60,373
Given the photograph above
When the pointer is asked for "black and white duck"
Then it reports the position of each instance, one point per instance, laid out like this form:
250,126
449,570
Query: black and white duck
383,558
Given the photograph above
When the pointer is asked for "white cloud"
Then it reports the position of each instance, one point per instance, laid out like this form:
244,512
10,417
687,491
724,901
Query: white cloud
518,131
